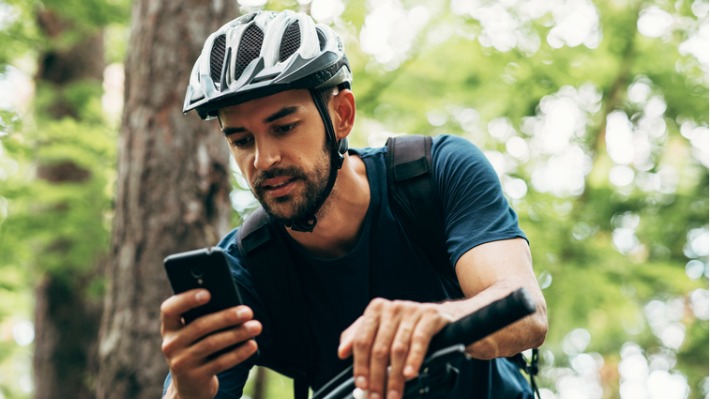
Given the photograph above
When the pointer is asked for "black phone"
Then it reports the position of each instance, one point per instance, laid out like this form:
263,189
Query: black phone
203,268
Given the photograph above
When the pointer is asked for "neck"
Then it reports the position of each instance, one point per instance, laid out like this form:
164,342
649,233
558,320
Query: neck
341,217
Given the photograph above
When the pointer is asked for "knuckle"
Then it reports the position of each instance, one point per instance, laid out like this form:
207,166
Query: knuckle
360,344
178,365
420,336
417,350
430,311
403,305
165,307
377,304
380,352
167,348
399,349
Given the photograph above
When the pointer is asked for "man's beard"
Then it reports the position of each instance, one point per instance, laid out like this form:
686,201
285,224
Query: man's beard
303,204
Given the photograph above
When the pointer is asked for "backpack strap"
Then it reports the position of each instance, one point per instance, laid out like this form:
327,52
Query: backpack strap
415,202
275,276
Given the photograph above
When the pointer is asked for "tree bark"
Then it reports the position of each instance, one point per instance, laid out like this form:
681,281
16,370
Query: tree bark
260,381
66,316
172,188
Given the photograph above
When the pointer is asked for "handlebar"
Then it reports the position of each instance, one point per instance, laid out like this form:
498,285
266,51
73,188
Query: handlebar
450,341
485,321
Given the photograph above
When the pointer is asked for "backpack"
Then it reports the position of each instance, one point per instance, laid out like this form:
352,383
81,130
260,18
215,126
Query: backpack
415,205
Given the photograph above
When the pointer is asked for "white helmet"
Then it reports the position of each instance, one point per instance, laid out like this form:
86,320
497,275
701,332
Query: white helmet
264,53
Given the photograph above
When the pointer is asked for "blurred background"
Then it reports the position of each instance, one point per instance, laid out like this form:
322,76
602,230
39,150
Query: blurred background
593,112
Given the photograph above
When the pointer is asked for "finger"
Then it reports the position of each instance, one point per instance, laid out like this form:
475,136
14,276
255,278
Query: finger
429,324
398,356
380,356
171,309
363,340
214,322
345,348
226,339
188,335
231,358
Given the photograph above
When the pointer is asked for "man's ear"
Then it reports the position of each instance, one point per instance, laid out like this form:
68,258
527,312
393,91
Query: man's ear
343,112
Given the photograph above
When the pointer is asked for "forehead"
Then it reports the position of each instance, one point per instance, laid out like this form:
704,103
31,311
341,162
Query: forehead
261,108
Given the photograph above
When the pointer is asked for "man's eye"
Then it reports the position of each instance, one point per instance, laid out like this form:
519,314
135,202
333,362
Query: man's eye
241,143
284,128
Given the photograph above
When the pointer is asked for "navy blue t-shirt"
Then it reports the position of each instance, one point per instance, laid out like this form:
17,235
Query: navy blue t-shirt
384,263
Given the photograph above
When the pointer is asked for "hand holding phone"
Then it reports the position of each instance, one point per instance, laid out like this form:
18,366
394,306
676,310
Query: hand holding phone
203,268
229,339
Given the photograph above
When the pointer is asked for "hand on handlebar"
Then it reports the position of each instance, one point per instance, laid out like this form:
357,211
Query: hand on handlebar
389,342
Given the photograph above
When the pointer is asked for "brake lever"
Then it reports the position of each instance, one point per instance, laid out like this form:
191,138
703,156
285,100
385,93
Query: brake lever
440,373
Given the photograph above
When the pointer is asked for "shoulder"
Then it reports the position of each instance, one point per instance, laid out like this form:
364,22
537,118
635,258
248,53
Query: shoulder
446,146
229,243
367,152
237,262
456,158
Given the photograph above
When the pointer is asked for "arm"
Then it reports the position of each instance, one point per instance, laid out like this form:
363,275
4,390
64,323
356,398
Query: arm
396,334
491,260
489,272
190,349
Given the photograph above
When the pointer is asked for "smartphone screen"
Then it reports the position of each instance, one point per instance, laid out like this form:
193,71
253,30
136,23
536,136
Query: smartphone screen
203,268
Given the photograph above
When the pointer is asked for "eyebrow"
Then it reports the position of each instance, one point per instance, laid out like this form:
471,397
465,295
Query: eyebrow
283,112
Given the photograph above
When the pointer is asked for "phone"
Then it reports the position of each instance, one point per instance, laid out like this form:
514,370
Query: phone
203,268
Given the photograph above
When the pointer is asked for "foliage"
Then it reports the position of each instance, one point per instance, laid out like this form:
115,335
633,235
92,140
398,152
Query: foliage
619,237
42,219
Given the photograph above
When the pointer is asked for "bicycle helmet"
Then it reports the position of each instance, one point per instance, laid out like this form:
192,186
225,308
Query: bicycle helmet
264,53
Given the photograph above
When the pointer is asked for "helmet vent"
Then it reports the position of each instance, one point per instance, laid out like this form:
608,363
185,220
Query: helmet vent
249,49
291,41
217,58
321,38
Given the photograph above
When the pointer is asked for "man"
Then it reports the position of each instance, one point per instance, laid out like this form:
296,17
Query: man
280,86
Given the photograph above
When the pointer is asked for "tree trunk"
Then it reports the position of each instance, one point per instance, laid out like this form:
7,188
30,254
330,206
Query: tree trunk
260,381
66,315
172,189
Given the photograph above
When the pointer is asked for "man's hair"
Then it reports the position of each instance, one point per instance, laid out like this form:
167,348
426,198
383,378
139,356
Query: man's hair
328,93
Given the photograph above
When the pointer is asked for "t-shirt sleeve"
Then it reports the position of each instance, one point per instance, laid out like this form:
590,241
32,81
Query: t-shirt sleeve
475,208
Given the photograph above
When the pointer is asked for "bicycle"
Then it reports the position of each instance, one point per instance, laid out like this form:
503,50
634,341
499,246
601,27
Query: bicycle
447,351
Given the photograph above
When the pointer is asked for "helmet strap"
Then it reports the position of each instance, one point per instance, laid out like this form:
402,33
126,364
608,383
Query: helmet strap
338,148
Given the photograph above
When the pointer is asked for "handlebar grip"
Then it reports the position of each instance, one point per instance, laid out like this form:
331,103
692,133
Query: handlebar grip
485,321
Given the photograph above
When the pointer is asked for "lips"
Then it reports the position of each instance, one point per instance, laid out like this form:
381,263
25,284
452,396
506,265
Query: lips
278,186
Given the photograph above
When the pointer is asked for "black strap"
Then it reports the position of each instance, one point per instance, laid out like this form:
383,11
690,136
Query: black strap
274,272
532,370
415,201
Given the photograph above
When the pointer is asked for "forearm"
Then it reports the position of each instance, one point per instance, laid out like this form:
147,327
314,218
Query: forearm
526,333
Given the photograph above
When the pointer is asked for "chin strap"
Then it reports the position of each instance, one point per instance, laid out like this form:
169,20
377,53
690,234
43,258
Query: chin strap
337,156
304,225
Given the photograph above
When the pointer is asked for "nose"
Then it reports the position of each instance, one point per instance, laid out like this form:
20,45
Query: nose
267,154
